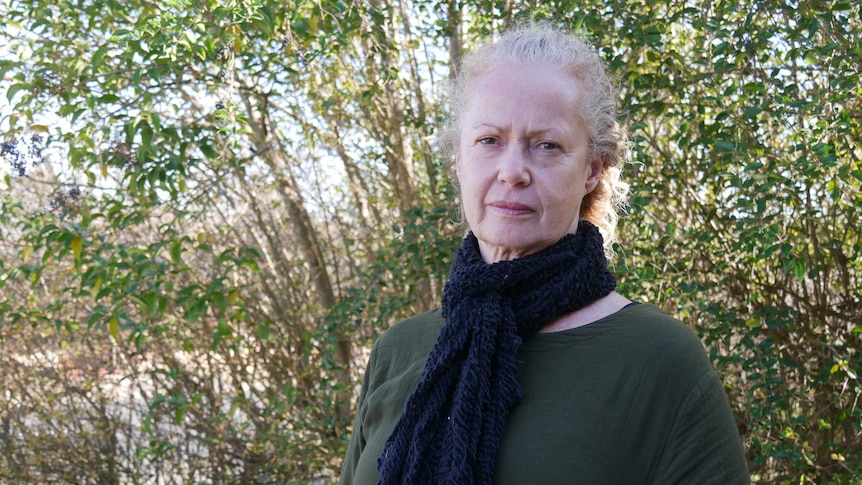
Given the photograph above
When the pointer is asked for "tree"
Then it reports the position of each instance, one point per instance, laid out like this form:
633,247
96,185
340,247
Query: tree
201,249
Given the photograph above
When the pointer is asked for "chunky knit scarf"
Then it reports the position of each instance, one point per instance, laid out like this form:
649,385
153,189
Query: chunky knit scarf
452,424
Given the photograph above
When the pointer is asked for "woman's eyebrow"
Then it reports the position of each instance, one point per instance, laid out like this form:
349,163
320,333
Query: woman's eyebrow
530,134
488,125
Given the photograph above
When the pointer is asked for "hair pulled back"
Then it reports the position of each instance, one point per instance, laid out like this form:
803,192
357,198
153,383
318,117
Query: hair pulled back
542,43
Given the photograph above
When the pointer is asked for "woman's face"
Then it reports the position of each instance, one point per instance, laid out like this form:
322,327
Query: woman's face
523,159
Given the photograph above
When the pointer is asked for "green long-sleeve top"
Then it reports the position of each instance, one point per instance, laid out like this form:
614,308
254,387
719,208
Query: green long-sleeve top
629,399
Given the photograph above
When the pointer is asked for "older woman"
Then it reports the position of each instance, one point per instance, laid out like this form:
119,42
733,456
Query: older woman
535,371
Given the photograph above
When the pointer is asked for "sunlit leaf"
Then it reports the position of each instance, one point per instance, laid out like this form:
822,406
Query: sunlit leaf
113,328
77,246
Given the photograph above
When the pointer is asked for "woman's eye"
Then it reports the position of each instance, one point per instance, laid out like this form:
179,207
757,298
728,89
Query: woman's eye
547,145
488,140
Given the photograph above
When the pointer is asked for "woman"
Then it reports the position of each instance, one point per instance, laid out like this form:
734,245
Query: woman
535,371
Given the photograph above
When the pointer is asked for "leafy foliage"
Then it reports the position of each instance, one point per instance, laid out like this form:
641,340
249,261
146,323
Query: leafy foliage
212,208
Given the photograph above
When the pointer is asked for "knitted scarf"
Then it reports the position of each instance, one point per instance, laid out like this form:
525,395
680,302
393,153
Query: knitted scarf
452,424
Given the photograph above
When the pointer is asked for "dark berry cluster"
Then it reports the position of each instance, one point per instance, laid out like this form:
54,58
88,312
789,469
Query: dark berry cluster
9,150
48,83
19,152
301,54
58,202
8,147
65,201
121,155
223,52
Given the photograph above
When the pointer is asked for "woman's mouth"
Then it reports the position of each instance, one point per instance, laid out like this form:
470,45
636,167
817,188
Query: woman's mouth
510,208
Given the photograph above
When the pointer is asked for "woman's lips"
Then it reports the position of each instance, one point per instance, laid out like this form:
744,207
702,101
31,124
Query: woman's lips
510,208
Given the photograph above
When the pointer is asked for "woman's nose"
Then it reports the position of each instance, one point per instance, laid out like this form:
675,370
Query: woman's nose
513,168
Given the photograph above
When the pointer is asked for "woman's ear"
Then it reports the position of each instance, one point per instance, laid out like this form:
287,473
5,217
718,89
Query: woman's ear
596,168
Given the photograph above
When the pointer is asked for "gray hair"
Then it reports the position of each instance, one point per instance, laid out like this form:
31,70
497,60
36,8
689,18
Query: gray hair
541,43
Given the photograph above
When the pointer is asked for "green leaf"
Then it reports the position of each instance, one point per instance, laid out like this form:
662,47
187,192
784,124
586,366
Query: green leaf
219,299
223,329
179,414
10,93
724,146
207,150
751,112
146,134
98,55
262,331
77,246
108,98
800,270
6,66
176,252
113,328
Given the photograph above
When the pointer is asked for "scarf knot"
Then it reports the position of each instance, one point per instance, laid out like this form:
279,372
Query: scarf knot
452,424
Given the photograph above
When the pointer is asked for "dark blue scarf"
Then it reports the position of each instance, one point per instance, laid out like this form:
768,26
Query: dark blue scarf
452,424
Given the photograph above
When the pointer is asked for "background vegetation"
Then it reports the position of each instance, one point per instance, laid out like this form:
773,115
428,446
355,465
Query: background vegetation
210,210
